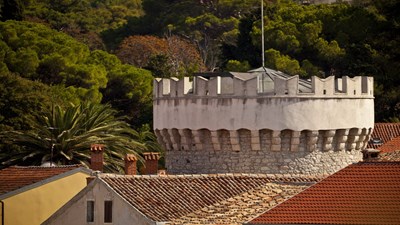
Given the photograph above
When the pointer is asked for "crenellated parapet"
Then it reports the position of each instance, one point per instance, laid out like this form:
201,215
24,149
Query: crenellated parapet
256,86
262,122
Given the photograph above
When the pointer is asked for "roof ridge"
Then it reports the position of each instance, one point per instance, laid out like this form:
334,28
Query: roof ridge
262,175
46,167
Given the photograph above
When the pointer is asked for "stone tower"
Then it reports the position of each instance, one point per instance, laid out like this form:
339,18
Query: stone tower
263,121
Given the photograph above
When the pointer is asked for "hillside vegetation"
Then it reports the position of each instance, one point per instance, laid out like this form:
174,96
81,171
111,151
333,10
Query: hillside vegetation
107,52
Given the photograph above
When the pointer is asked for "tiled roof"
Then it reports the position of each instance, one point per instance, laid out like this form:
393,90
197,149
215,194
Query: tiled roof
163,198
391,145
384,132
362,193
15,177
393,156
243,207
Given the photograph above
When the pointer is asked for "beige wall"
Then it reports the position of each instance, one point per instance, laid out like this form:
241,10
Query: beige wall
36,205
264,113
331,104
75,211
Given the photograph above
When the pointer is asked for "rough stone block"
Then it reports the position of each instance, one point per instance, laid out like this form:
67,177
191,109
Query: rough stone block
313,133
327,147
341,146
312,140
295,141
276,133
311,147
198,147
329,133
351,146
236,148
296,134
328,140
234,141
254,133
255,147
276,141
342,138
275,148
216,147
255,139
294,148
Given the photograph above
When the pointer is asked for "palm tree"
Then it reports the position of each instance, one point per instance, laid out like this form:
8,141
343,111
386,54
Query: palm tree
63,136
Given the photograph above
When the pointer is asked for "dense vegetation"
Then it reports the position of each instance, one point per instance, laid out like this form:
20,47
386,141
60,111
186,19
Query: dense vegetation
58,53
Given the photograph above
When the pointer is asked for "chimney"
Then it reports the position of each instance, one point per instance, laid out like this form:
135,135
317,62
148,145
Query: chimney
96,158
130,164
151,162
370,153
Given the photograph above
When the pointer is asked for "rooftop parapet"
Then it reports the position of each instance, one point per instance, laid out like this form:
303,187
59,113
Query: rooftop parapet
253,86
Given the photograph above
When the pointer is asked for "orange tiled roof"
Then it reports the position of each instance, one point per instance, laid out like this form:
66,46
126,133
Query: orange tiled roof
362,193
163,198
385,132
15,177
241,208
391,145
393,156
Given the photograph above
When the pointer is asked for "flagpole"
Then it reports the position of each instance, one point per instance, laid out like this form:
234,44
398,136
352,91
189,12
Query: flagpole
262,33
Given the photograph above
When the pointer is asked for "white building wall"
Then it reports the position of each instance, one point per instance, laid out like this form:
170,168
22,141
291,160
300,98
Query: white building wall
74,212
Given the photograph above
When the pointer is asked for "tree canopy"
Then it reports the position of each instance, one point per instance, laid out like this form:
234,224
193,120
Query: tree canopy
107,52
64,136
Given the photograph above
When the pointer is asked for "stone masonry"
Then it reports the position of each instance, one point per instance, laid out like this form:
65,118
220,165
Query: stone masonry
263,151
245,123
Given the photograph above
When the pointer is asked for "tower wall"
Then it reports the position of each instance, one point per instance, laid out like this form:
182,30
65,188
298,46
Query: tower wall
225,125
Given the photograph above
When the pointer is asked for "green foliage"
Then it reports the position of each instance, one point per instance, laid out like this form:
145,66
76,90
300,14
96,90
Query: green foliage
11,10
63,136
19,97
283,63
159,66
36,52
328,39
236,66
40,66
129,90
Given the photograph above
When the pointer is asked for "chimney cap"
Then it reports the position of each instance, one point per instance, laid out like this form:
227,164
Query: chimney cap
130,158
370,153
96,147
371,150
151,155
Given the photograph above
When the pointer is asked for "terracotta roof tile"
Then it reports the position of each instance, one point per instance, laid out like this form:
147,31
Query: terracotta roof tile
383,132
243,207
393,156
15,177
391,145
362,193
167,197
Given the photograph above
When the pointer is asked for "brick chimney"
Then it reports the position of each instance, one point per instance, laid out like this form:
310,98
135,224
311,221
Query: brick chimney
370,154
151,162
130,164
96,158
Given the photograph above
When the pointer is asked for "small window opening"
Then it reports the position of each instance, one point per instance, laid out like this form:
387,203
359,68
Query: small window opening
90,211
107,211
324,92
354,92
207,92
